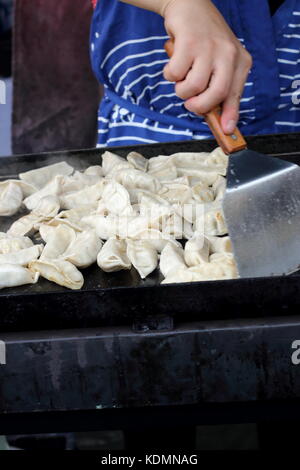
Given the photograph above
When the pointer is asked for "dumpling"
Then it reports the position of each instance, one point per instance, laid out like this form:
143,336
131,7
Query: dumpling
219,188
138,161
11,197
78,181
42,176
142,256
156,239
111,162
171,259
206,175
177,227
202,193
24,226
83,251
22,257
160,161
73,217
196,250
58,241
131,178
212,222
106,227
221,266
217,158
176,192
27,189
165,171
59,271
219,244
181,275
12,275
94,170
189,159
9,244
116,199
85,196
53,188
47,207
113,256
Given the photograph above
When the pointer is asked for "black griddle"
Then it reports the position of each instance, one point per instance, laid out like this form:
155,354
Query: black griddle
122,298
128,354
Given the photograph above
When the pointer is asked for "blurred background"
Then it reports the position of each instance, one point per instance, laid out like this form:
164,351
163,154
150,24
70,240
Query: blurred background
51,93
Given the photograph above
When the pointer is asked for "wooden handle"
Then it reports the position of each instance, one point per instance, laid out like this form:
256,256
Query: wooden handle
229,143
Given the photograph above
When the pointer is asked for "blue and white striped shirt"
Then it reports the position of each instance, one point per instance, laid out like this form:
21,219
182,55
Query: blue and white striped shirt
140,106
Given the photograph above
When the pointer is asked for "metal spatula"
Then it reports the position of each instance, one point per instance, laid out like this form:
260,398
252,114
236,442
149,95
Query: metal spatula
261,205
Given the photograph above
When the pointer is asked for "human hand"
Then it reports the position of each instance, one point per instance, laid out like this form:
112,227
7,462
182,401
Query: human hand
209,64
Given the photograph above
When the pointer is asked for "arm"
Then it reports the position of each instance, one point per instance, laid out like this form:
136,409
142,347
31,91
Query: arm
209,64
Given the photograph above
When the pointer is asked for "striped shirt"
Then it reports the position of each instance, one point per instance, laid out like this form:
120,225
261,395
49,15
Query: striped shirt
140,106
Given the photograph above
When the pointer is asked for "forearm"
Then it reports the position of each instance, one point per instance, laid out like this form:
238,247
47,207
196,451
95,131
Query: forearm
158,6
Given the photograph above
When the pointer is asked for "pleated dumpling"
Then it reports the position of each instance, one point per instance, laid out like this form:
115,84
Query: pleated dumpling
106,227
58,242
12,275
189,159
202,193
11,197
171,260
78,181
112,162
219,244
219,188
83,251
116,199
53,188
47,207
212,220
85,196
10,244
138,161
205,175
27,189
181,275
176,192
143,257
217,158
113,256
164,171
40,177
22,257
74,217
177,227
24,226
157,239
59,271
95,170
132,178
221,266
196,250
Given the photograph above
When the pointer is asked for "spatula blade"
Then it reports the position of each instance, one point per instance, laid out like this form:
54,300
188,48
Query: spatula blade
262,212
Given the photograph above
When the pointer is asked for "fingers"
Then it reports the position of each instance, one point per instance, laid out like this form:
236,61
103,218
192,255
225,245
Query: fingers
217,92
231,105
197,79
179,64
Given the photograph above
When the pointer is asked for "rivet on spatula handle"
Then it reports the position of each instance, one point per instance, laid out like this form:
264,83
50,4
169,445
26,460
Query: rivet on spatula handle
228,143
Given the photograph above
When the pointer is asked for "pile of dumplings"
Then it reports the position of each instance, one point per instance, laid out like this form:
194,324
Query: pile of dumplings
163,212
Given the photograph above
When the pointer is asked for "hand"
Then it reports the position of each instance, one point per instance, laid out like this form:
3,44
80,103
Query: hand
209,64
